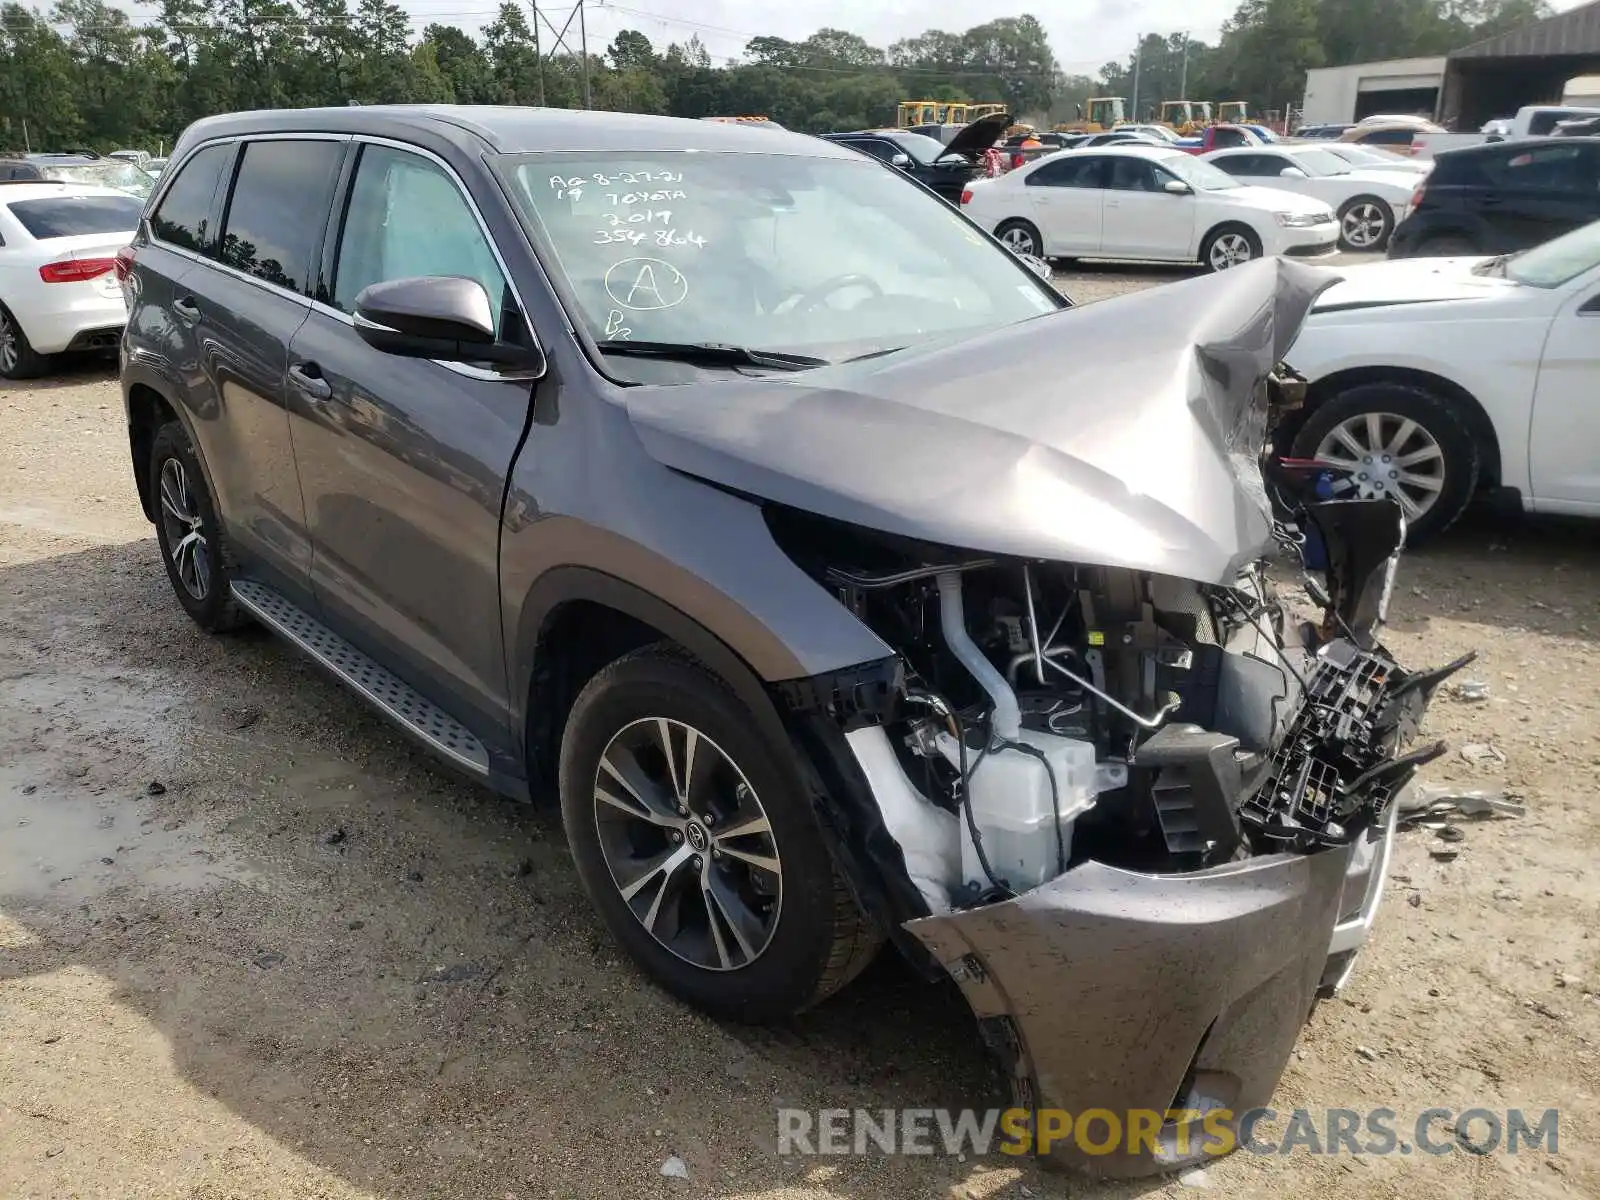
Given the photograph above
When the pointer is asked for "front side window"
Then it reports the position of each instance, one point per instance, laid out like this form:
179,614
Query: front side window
827,257
406,217
1561,168
184,213
274,222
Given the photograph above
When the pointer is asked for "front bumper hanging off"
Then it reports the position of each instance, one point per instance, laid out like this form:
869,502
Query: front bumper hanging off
1131,993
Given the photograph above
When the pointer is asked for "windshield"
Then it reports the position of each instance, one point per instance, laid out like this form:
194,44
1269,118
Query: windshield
1558,261
830,258
922,148
1320,163
1351,152
1201,176
123,176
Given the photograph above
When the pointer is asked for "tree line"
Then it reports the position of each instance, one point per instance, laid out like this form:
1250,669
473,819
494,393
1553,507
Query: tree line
85,74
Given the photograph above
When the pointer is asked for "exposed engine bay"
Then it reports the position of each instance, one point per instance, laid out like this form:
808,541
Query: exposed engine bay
1048,714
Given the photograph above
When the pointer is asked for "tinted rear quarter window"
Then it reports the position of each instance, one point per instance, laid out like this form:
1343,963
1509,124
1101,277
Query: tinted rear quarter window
1388,137
281,193
1072,172
71,216
185,211
1558,168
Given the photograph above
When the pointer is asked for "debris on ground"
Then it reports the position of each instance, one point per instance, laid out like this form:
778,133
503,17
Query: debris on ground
1481,753
675,1168
1421,803
1368,1053
1444,853
1470,691
156,788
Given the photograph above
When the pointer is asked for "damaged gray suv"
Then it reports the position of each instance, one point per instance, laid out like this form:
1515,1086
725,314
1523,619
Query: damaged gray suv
844,582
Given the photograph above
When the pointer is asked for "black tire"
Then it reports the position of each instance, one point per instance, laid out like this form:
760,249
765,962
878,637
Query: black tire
1447,245
18,360
212,607
1459,450
819,939
1384,233
1018,229
1229,231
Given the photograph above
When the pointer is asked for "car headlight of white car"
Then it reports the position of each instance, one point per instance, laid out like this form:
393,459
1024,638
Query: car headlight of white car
1303,220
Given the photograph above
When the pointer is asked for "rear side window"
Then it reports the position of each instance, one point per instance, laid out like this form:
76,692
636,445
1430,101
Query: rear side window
185,211
281,193
1563,168
1388,137
70,216
1073,172
1221,138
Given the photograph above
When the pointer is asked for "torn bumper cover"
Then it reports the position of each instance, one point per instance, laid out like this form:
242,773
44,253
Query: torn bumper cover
1108,989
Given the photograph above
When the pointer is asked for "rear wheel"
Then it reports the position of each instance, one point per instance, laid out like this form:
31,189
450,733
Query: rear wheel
1229,246
18,360
193,545
1399,442
1021,236
695,840
1365,223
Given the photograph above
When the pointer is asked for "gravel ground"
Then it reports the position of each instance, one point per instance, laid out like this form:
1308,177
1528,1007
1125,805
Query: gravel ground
253,945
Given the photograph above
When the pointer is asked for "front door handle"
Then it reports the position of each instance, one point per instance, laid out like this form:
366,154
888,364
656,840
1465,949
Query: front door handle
188,311
308,378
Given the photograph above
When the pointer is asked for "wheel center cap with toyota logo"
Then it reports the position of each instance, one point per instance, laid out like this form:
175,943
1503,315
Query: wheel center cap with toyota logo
698,838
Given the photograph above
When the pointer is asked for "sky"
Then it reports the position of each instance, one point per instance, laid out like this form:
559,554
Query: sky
1084,34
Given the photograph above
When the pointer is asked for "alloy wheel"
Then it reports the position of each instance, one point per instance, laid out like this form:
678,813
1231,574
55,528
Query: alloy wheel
1387,455
1363,226
1230,250
10,352
186,539
1019,239
688,845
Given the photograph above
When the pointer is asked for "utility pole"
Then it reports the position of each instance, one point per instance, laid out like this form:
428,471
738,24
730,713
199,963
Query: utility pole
538,54
1138,57
1183,74
583,42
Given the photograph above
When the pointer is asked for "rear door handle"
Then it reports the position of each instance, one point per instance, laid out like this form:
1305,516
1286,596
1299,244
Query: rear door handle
188,311
308,378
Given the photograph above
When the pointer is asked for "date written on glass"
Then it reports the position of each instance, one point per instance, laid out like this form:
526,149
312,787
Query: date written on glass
653,237
644,216
562,185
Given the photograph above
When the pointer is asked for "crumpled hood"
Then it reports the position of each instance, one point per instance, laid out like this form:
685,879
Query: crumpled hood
1125,434
1412,281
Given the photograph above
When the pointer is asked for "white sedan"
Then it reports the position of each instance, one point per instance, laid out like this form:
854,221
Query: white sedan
58,285
1433,380
1373,158
1369,203
1145,202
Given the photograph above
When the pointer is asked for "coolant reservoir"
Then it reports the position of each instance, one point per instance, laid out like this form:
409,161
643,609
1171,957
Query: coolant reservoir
1012,808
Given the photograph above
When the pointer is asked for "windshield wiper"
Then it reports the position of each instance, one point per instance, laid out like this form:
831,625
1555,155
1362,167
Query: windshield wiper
714,353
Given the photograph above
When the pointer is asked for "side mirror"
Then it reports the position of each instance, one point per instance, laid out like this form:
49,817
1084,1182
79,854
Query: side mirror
443,317
900,160
1177,187
1292,173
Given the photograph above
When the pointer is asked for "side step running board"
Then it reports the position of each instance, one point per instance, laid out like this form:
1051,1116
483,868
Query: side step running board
392,696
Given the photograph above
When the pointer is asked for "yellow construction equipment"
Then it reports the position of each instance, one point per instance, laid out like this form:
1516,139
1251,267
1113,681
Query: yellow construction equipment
942,112
1185,116
1105,112
1233,112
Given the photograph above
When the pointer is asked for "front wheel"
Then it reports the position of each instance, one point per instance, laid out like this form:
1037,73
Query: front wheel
1021,236
1365,223
1398,442
1229,246
694,838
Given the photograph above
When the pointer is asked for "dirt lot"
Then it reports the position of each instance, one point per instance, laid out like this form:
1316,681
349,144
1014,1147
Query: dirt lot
252,944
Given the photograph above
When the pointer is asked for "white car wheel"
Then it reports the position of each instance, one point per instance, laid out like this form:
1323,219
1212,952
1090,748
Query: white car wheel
1365,224
1229,248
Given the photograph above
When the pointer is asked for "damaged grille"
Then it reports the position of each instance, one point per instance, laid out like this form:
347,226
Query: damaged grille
1334,775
